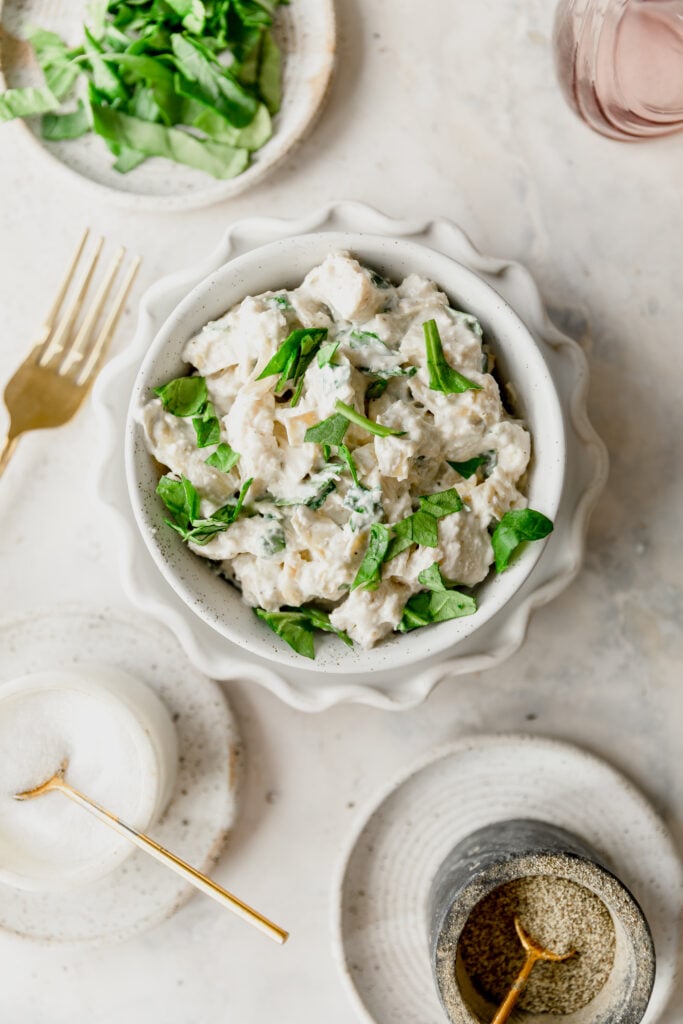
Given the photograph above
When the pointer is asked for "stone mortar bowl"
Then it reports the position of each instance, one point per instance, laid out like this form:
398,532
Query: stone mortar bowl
509,850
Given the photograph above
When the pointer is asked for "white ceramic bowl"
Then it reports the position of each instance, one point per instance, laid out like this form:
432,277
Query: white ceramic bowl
50,844
283,264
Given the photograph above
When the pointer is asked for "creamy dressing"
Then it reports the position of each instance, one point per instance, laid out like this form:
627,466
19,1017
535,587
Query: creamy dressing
306,525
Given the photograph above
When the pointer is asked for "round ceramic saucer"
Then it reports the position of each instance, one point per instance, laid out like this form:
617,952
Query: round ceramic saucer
380,928
140,892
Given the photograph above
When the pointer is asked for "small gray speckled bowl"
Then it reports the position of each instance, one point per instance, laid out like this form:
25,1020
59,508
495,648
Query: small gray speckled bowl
509,850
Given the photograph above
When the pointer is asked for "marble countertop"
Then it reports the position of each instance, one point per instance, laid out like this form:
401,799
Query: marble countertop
465,121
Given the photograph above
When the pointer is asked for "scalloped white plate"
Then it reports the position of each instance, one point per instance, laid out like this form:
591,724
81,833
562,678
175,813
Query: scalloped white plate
313,690
306,32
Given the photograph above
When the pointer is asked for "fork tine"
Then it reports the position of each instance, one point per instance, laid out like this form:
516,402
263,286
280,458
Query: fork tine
55,344
48,325
74,353
104,337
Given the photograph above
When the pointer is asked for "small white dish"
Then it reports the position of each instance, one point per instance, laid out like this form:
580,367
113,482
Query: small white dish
138,893
284,264
381,892
306,33
122,752
407,685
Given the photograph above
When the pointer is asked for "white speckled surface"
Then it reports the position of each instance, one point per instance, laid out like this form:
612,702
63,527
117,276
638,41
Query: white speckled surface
454,113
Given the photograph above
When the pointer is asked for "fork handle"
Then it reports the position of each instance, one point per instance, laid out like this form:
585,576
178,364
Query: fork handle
6,452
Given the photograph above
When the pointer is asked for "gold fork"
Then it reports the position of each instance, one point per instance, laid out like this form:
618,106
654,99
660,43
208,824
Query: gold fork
50,385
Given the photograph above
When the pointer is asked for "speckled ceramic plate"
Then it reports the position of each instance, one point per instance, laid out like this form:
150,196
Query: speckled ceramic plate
140,892
305,30
380,928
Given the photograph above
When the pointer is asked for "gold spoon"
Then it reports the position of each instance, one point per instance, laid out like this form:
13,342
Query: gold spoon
58,783
534,953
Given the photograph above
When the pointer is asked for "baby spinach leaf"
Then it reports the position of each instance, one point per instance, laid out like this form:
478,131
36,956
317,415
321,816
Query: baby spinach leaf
443,602
328,432
442,503
57,62
422,526
216,88
180,498
517,526
270,74
321,620
216,158
293,358
26,102
470,467
443,377
362,421
418,528
318,500
255,135
345,454
127,159
191,12
66,126
224,458
207,427
295,629
376,389
296,625
105,79
369,573
435,606
326,353
202,530
184,396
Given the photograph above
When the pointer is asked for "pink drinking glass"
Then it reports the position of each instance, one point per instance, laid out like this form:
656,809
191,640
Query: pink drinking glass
620,64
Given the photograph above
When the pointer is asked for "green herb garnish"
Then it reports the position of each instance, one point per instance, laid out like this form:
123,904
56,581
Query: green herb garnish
328,432
418,528
443,503
422,526
376,389
195,81
440,603
443,377
224,458
517,526
362,421
293,358
207,427
359,339
66,126
188,396
296,627
369,573
470,467
326,353
347,457
184,396
390,371
182,501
